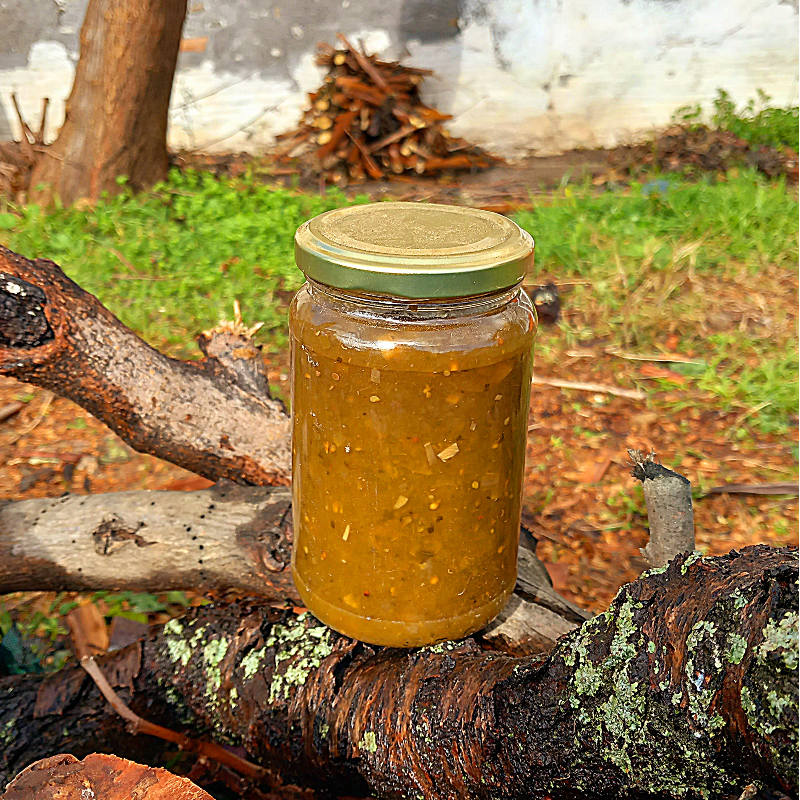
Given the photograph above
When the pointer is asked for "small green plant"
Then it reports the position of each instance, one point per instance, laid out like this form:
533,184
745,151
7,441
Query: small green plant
758,121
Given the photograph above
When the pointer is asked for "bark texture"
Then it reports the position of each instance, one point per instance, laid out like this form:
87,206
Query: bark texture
686,686
213,417
116,114
225,537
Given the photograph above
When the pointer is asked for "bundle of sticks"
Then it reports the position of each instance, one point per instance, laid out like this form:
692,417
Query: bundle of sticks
367,120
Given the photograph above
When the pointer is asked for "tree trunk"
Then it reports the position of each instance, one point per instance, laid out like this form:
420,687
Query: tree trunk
214,417
116,114
686,686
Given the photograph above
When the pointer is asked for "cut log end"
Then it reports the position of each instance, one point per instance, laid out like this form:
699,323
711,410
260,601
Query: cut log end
23,322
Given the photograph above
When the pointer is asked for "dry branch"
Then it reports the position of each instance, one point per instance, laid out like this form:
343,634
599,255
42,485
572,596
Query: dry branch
686,686
138,725
212,417
668,496
225,537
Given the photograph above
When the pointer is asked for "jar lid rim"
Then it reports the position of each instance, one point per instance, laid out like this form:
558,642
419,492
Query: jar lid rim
414,250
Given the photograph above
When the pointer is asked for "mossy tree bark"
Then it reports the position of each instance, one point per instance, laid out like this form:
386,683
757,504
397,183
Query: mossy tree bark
686,686
116,115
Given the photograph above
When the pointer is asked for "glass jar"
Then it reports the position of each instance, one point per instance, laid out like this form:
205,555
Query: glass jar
412,347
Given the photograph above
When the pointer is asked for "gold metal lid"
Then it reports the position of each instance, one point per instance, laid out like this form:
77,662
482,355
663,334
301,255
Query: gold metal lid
413,250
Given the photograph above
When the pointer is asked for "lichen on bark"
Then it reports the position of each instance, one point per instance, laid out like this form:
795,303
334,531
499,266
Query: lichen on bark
628,705
299,650
615,712
769,693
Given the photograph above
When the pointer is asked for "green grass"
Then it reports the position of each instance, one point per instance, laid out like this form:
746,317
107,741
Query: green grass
713,260
757,122
171,262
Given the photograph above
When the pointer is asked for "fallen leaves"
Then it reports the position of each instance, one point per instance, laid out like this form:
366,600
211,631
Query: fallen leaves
688,148
652,371
99,776
592,471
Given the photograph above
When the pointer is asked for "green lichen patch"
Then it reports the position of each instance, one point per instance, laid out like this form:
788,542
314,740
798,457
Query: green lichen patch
737,647
654,571
769,693
738,599
213,653
251,663
617,716
7,732
703,669
299,650
692,558
781,637
180,648
173,628
369,743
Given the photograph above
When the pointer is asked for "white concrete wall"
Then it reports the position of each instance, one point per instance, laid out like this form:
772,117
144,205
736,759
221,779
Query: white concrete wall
520,76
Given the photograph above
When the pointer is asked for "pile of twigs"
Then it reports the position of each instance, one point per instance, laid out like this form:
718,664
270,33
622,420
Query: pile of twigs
367,120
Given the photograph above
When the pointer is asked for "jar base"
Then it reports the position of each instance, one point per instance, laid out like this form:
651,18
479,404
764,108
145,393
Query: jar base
391,633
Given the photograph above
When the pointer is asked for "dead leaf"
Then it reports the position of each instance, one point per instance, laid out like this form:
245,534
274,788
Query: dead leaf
194,483
99,776
123,666
591,471
88,631
57,692
652,371
124,631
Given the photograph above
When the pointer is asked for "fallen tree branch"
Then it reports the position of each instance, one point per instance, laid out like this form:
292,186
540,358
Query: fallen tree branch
213,417
783,488
225,537
686,686
10,409
600,388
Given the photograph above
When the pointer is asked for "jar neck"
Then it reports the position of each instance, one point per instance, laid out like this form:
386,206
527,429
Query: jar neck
416,307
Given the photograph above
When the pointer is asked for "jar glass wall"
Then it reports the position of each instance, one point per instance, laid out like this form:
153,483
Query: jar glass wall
410,425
